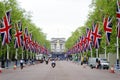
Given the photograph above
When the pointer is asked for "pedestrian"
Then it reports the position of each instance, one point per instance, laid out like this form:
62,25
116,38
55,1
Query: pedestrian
98,64
21,63
46,60
53,64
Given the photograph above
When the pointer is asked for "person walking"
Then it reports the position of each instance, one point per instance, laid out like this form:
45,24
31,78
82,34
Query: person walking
53,64
21,63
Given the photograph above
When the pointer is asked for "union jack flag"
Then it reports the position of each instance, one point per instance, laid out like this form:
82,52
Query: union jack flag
77,46
96,37
33,46
118,18
84,43
88,38
30,42
18,35
81,44
107,24
5,29
92,36
25,40
42,49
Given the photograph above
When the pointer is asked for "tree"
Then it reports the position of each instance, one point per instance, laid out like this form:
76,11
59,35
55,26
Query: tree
19,14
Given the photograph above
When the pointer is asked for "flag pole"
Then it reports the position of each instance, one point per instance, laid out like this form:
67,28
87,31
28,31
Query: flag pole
31,55
27,54
7,56
7,52
22,53
16,56
91,51
117,49
117,61
105,52
97,53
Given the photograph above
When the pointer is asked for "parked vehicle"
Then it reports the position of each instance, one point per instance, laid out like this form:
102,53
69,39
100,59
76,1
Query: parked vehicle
40,57
92,62
104,63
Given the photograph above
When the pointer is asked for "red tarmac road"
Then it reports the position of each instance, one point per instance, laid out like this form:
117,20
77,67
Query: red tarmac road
63,71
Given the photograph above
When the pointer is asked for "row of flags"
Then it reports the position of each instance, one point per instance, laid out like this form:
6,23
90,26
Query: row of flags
93,37
22,39
85,42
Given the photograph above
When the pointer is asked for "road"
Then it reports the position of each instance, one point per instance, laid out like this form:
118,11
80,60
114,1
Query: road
63,71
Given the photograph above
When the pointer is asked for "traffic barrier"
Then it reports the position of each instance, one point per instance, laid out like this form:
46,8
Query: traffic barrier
0,70
14,67
112,69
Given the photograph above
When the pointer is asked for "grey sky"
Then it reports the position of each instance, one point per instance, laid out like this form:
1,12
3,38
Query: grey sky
57,18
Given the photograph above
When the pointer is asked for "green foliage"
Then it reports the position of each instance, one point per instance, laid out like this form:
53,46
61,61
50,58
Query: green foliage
19,14
101,9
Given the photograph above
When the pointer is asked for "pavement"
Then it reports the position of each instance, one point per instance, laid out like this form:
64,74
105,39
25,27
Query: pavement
64,70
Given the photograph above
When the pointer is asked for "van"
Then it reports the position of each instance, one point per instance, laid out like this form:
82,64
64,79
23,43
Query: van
92,62
104,63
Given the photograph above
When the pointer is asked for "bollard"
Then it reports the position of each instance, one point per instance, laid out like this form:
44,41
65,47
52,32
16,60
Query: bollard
14,67
0,70
112,69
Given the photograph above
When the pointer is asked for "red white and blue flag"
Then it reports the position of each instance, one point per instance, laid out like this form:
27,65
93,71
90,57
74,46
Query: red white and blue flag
30,42
5,29
96,37
88,38
81,44
84,43
33,46
92,39
107,24
118,18
36,47
77,46
18,35
25,39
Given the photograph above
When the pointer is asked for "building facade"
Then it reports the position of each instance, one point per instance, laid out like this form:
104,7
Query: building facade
58,45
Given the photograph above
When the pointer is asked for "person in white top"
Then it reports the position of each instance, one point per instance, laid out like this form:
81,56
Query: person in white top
21,64
53,64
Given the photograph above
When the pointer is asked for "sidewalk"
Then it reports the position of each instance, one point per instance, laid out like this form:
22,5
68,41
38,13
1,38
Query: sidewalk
11,69
117,72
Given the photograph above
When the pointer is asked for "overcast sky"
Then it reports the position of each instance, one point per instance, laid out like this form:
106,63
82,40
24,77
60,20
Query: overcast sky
57,18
